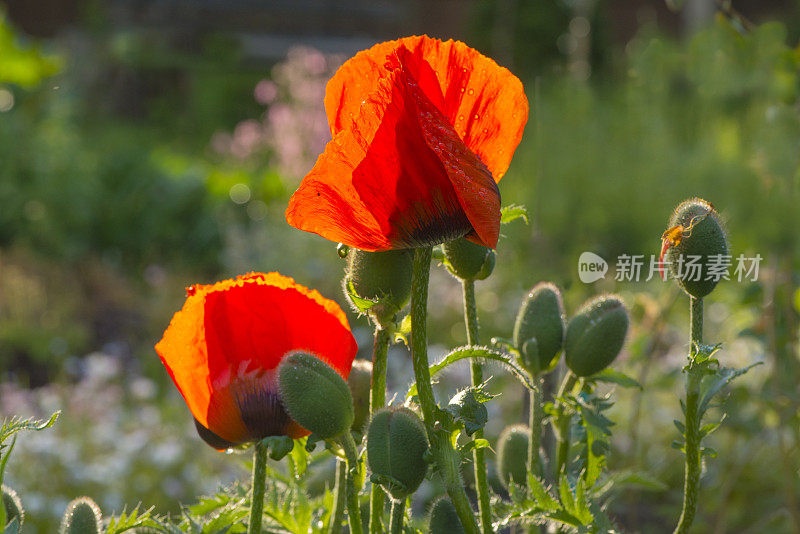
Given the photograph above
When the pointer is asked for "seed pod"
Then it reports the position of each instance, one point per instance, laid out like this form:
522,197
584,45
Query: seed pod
359,382
14,510
512,455
596,334
444,519
315,395
379,283
396,447
467,260
697,234
540,318
83,517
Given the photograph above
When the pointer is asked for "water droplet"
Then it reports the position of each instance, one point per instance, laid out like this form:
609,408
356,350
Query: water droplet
191,290
472,91
461,117
342,250
476,117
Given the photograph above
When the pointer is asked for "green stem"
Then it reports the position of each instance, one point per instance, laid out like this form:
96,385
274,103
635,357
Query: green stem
353,506
692,445
377,400
339,497
478,455
446,458
562,425
535,418
259,486
398,514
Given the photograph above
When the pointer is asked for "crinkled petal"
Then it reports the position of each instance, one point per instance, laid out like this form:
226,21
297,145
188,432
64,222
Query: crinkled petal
485,103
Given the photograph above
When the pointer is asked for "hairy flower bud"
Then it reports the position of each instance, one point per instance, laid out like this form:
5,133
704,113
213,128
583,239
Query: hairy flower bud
83,517
379,283
512,455
596,334
315,395
14,511
444,518
396,447
539,329
694,242
359,382
467,260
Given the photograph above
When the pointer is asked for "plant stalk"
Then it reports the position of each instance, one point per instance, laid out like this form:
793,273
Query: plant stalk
562,425
259,487
398,514
692,445
377,400
535,418
339,498
353,507
478,455
447,459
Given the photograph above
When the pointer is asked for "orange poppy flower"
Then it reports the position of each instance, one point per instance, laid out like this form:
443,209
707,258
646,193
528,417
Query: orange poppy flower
422,131
222,350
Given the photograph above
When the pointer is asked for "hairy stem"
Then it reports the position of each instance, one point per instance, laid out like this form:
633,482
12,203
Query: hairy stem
339,497
478,455
398,514
535,418
259,486
353,507
446,458
692,445
562,425
377,400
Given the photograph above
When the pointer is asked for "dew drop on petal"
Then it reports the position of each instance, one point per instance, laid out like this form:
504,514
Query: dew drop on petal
472,91
191,290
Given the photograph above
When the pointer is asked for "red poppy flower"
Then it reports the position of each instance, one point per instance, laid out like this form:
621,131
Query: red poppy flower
222,350
422,131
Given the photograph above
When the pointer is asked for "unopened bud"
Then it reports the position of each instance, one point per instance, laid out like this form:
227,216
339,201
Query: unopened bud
396,451
379,283
444,518
315,395
539,330
83,517
595,335
15,514
467,260
512,455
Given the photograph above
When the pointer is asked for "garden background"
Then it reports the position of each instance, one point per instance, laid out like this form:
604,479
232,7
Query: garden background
148,145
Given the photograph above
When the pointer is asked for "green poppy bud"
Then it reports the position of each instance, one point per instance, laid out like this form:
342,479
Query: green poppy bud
540,318
379,283
596,334
694,243
315,395
14,510
512,455
468,261
396,447
444,518
359,381
83,517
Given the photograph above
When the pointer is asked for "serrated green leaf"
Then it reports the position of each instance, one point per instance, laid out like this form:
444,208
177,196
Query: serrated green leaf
541,496
362,305
708,451
477,353
712,385
616,377
680,426
707,429
513,212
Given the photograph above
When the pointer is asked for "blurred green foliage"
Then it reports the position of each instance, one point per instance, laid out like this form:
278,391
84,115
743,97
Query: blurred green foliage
111,201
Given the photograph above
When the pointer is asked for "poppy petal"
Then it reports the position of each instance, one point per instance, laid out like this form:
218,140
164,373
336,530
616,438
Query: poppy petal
222,347
486,103
365,190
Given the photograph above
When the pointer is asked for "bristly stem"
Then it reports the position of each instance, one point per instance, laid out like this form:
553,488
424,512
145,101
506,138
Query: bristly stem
447,459
339,497
692,444
535,418
562,425
398,514
353,507
259,486
478,455
377,400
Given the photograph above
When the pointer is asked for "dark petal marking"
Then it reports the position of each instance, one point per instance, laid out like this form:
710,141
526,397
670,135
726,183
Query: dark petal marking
260,407
211,438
